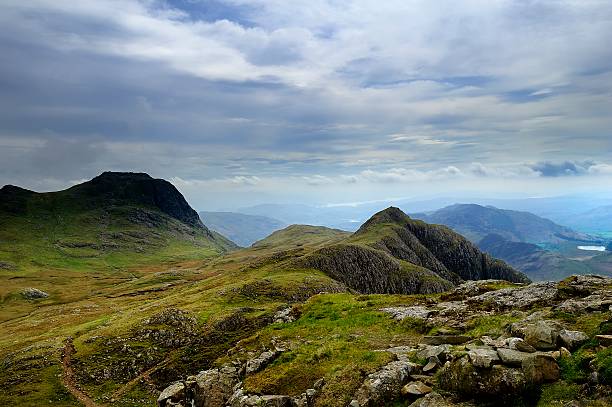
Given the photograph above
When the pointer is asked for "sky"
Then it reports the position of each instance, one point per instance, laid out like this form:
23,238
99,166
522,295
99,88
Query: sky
241,102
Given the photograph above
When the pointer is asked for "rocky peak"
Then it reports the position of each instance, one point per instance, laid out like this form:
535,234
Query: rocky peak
390,215
118,188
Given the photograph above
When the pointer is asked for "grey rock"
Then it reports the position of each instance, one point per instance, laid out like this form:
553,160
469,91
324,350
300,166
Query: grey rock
520,345
385,385
512,357
33,294
283,316
400,313
461,377
540,368
519,298
5,265
416,389
173,393
484,358
214,387
591,303
572,339
472,288
542,334
439,351
432,365
260,362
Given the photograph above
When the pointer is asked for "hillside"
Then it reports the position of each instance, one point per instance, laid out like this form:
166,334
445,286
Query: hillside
537,263
242,229
109,225
476,221
275,324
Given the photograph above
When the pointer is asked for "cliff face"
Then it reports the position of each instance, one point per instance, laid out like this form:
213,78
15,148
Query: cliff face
368,270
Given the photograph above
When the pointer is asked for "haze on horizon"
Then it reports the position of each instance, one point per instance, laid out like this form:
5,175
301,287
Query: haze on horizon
240,102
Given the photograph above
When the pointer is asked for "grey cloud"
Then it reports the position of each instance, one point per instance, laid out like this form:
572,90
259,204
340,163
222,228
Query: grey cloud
562,169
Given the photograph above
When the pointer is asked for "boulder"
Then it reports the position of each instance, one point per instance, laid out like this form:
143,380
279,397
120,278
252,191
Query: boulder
484,358
572,339
214,387
512,357
33,294
519,298
260,362
432,365
439,351
171,394
400,313
542,334
520,345
469,381
472,288
383,386
592,303
416,389
540,368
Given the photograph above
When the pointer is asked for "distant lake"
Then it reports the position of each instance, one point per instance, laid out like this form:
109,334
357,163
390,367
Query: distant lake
593,248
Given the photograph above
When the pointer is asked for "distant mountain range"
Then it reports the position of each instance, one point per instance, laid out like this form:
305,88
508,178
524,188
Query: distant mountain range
240,228
476,221
564,210
537,263
595,220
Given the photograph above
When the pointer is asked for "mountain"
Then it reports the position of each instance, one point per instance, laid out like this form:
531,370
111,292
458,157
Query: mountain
476,221
111,221
392,253
595,220
241,228
537,263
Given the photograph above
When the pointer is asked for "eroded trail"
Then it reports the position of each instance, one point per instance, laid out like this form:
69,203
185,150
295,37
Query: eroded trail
68,376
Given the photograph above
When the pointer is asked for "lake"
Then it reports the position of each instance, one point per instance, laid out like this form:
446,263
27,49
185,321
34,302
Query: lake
593,248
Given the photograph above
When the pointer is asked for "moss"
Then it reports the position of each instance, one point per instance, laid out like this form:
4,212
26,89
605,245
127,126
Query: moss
575,368
493,325
603,361
558,393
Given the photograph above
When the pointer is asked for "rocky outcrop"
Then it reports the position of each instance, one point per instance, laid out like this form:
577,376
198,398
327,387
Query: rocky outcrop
383,386
33,294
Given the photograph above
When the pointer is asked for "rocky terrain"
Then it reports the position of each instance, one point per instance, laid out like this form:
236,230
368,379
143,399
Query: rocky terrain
536,353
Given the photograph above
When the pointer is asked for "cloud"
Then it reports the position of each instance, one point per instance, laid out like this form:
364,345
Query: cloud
404,175
562,169
252,94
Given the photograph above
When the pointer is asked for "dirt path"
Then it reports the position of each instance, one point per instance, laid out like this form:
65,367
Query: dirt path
68,377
